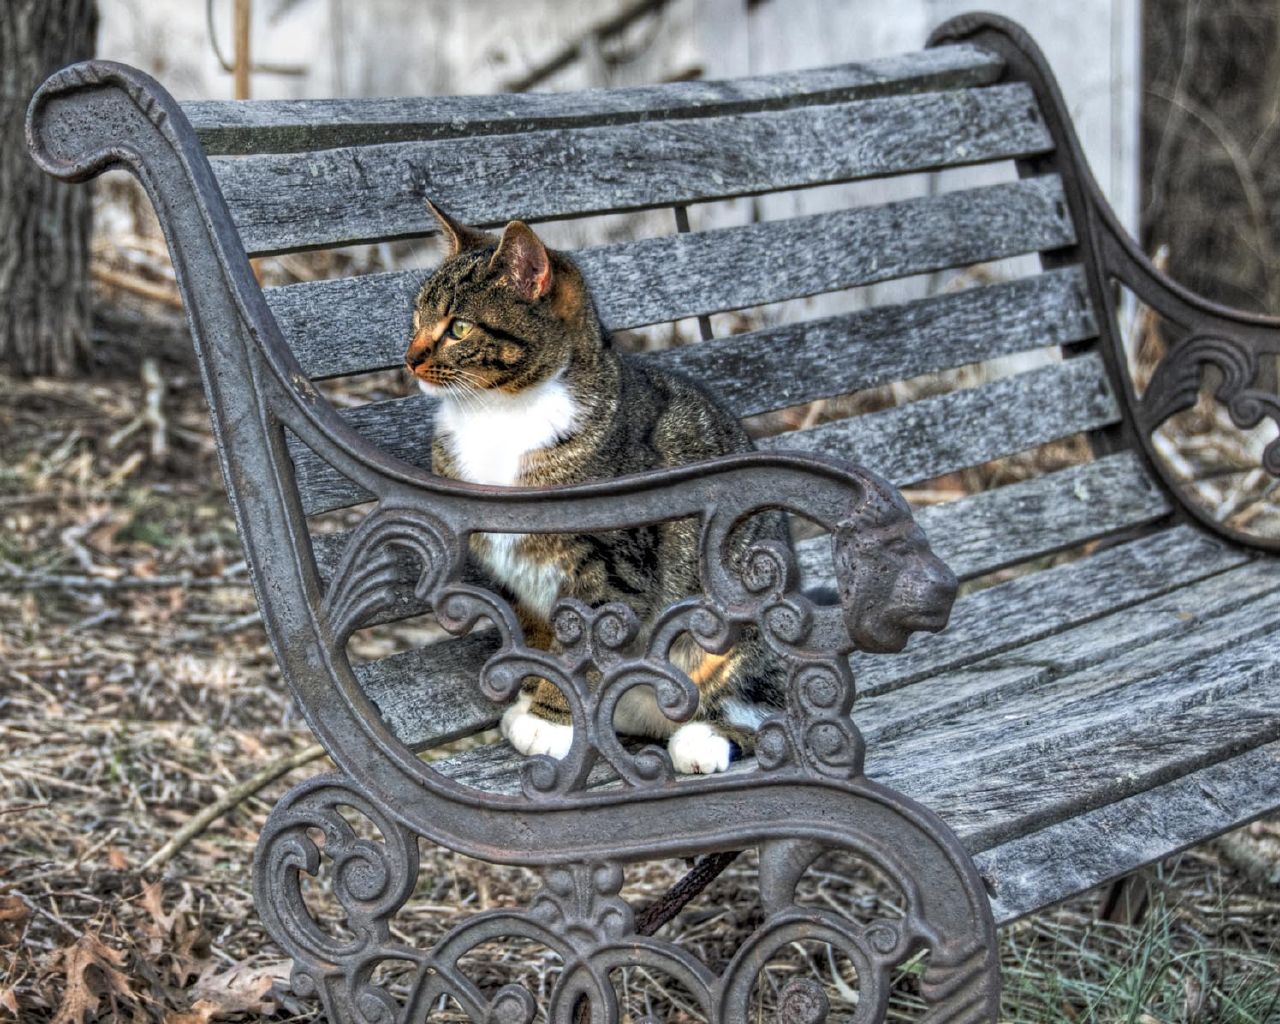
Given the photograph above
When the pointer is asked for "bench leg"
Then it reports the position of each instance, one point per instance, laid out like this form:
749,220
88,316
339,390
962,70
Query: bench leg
1127,899
580,918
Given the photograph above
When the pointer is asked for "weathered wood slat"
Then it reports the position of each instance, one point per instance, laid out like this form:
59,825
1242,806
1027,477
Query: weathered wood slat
907,444
1139,718
287,202
428,695
1110,745
1040,604
1032,872
934,436
1003,687
281,126
1028,519
362,323
841,354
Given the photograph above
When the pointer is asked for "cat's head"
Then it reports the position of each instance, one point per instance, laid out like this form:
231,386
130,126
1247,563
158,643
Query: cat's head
500,313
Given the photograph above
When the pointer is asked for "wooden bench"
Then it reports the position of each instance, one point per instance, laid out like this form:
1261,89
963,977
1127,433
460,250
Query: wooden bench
1076,721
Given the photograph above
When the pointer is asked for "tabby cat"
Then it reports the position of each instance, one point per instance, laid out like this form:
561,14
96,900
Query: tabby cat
532,394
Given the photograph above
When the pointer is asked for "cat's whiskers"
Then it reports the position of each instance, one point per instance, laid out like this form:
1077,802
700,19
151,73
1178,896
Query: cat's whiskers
458,388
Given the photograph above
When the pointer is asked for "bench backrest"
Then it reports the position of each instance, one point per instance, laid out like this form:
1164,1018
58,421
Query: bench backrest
307,175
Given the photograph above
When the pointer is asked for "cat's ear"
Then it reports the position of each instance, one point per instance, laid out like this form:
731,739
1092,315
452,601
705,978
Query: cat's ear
524,259
459,236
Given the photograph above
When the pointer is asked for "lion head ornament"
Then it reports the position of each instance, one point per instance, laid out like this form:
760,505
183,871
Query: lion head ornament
891,584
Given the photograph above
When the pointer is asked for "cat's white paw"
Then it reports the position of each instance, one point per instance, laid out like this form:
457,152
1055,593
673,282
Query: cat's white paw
697,749
531,734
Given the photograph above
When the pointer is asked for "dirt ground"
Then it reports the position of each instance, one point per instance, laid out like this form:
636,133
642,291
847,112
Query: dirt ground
137,689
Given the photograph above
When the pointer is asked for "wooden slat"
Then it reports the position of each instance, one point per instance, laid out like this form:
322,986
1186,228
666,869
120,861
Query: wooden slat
931,437
429,694
988,694
1038,517
907,444
287,202
1040,604
363,323
1113,734
1032,872
281,126
838,355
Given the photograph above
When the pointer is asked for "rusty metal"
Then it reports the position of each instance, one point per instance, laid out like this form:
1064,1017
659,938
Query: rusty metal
807,793
1208,335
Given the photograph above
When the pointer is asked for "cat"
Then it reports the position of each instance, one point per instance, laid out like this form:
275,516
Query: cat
531,393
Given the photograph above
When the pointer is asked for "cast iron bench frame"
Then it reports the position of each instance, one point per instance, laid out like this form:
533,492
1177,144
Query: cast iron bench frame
580,821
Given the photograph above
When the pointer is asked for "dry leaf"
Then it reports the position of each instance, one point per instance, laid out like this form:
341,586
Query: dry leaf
92,970
13,908
116,859
9,1001
241,989
174,939
152,900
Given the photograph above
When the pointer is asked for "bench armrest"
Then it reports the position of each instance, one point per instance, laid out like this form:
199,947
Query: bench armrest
1233,341
1237,344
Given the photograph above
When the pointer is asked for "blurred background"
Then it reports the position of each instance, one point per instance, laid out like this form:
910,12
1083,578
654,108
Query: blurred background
135,683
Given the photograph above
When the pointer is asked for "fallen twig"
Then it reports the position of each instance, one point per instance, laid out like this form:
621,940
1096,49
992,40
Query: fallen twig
231,798
152,414
35,908
139,286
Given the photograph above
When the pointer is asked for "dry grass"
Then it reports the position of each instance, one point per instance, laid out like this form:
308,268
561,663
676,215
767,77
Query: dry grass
136,688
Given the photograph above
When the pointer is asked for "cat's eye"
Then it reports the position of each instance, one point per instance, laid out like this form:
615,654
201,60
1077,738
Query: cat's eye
460,328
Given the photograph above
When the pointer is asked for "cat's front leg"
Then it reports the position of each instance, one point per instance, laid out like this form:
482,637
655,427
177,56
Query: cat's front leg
535,723
698,748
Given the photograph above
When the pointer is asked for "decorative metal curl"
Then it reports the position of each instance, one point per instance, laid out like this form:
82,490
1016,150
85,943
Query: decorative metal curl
365,577
371,881
1175,386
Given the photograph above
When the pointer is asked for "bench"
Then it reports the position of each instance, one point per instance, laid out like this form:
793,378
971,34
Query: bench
1079,718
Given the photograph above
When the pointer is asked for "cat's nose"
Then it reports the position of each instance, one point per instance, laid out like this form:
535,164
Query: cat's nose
419,349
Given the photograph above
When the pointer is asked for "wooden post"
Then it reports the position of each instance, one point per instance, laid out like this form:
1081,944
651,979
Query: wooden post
243,11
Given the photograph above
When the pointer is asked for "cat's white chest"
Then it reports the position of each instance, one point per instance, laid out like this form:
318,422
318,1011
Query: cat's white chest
490,433
489,436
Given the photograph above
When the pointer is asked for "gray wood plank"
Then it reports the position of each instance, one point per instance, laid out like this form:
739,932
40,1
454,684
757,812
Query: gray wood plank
907,444
1017,682
362,323
279,126
1040,604
287,202
429,694
1141,718
1045,867
838,355
930,437
1012,524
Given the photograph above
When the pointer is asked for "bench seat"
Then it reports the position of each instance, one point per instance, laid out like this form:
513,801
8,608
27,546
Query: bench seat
1144,719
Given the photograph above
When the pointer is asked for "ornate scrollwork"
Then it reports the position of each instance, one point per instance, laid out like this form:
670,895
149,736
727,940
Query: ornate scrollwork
371,881
366,576
580,918
1175,386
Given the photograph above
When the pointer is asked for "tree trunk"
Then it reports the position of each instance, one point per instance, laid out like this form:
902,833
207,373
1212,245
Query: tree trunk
1211,145
44,224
